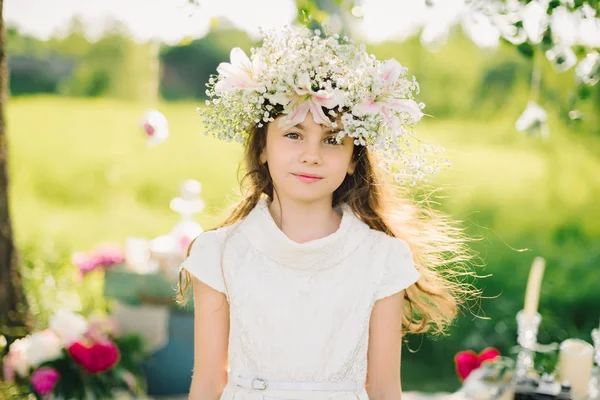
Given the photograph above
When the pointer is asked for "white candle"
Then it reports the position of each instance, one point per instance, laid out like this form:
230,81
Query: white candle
575,362
534,285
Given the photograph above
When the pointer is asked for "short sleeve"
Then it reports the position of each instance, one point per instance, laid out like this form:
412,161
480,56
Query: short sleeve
204,261
399,270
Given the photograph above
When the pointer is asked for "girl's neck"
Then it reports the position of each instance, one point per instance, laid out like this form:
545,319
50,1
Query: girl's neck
305,221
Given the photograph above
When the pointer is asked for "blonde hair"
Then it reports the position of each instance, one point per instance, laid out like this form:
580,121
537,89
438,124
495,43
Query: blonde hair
440,248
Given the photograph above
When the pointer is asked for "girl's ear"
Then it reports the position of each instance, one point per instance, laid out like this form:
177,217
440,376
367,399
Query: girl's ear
263,156
351,167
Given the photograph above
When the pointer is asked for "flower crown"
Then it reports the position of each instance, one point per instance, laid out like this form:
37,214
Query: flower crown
297,71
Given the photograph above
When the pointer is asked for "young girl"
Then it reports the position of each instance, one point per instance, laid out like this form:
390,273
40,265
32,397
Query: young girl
304,292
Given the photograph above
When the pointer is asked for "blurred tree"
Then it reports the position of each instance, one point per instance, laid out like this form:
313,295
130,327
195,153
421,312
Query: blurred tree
13,310
38,66
73,42
114,66
186,68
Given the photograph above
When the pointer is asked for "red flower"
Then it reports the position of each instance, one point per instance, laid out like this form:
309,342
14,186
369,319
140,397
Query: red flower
468,361
99,357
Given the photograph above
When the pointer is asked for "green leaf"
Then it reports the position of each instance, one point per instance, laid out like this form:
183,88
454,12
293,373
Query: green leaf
552,5
526,49
547,42
584,92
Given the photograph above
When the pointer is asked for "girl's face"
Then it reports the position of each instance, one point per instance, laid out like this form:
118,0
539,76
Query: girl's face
305,162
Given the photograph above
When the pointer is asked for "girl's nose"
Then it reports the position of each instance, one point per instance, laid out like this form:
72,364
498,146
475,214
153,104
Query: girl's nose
311,153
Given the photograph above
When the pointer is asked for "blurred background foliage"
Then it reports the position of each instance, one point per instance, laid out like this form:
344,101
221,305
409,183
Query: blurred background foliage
81,175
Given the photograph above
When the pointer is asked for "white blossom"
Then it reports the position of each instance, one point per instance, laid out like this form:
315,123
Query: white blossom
17,356
43,346
69,326
588,70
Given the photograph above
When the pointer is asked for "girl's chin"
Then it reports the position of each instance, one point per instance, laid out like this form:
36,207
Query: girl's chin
306,195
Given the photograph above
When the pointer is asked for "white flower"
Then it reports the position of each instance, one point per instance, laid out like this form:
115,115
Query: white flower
43,346
155,126
69,326
240,73
481,29
564,26
588,70
533,121
535,20
561,57
589,27
17,356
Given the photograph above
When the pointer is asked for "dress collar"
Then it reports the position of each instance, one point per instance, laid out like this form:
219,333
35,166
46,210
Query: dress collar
264,234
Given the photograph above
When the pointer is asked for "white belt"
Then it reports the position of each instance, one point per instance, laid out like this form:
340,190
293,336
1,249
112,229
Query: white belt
263,384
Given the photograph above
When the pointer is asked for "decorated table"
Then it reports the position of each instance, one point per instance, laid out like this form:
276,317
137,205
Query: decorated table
143,287
574,375
142,343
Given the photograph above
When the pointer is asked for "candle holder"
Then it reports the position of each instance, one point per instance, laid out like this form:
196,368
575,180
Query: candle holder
594,388
527,328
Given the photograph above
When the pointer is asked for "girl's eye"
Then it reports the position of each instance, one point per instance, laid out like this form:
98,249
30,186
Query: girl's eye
332,140
292,135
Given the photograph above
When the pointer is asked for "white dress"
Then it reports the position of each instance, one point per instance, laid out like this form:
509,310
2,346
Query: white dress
299,312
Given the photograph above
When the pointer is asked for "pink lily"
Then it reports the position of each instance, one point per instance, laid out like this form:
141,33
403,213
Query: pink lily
303,100
384,103
240,73
390,71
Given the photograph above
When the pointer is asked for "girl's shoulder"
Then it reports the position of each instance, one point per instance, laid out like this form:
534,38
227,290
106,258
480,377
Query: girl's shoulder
394,265
215,236
383,241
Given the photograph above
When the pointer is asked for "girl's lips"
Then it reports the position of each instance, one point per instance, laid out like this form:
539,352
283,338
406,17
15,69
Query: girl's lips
307,178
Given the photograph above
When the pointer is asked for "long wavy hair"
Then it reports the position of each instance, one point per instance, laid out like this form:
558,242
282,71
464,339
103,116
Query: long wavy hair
440,247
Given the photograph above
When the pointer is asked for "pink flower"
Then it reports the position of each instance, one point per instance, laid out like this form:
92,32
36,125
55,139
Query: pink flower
84,262
155,126
44,379
303,100
108,255
103,256
184,242
240,73
149,129
8,372
383,103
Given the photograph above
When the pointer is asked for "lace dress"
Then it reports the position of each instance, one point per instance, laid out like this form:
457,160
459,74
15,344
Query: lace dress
299,312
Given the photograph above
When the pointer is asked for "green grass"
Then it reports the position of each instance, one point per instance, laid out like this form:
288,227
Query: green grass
81,174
